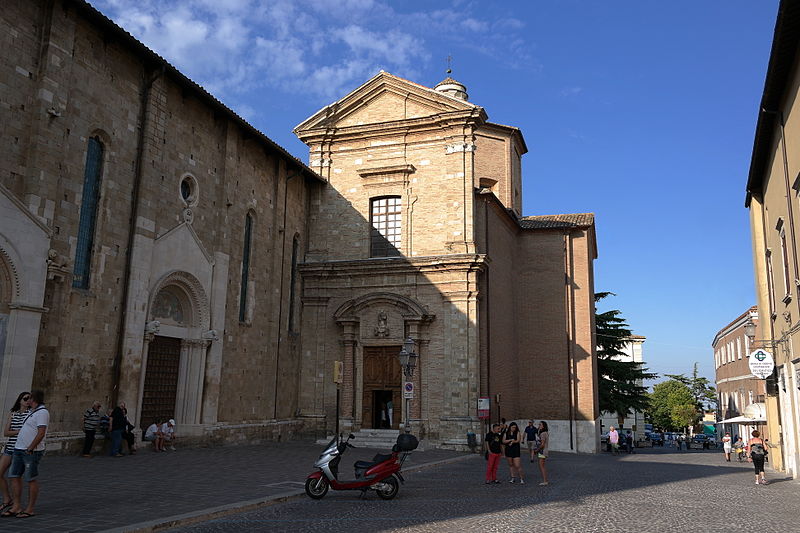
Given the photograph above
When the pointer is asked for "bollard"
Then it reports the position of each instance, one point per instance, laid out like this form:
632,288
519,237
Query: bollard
472,442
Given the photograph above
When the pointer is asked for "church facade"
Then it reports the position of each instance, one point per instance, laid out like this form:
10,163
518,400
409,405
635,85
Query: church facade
157,249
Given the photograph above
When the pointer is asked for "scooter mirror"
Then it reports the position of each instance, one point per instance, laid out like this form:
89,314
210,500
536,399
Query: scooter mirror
352,436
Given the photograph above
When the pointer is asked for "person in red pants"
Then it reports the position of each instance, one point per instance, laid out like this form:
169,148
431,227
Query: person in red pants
493,443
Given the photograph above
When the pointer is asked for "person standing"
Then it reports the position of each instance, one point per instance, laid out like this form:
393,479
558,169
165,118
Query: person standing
28,451
531,438
116,425
19,411
512,440
91,420
613,439
757,450
544,451
494,451
726,446
390,409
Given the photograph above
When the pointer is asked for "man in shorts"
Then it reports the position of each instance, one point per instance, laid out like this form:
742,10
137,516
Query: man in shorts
153,434
27,453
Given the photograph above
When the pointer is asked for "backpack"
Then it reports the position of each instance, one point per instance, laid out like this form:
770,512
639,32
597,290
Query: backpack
757,449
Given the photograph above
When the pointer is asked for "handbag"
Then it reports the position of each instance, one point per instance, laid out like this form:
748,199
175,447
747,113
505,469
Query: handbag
486,455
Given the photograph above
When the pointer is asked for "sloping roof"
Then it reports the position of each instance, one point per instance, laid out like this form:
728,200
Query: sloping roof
572,220
777,83
153,60
382,79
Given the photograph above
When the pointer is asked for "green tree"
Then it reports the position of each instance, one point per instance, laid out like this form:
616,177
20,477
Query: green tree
703,393
672,406
621,388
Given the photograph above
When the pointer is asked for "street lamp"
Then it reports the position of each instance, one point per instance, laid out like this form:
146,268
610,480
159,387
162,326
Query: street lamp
408,360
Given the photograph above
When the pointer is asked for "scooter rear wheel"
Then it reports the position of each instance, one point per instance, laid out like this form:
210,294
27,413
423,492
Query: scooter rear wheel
392,487
316,488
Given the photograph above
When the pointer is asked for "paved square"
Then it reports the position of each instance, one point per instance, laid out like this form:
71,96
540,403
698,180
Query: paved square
651,491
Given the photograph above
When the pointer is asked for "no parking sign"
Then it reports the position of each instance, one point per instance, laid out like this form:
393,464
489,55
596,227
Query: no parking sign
408,390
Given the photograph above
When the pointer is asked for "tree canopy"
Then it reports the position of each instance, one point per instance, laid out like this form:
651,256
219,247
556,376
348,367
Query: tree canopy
621,388
672,405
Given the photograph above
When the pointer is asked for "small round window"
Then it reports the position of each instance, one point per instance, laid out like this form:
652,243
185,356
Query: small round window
188,190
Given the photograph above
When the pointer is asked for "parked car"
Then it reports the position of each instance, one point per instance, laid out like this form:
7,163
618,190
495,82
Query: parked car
700,441
657,439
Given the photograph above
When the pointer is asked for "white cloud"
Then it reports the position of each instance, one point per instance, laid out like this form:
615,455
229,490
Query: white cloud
571,91
314,47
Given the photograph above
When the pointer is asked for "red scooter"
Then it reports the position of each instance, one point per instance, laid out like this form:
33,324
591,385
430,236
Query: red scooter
382,474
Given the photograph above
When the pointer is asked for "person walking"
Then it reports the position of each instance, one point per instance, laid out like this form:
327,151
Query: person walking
613,439
28,451
726,446
757,451
544,451
494,451
116,425
531,438
512,440
18,413
91,421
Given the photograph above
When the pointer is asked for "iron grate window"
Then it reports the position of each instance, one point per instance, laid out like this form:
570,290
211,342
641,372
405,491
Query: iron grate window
385,217
88,216
248,230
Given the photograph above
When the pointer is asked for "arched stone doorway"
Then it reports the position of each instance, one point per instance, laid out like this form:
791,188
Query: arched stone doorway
177,337
373,328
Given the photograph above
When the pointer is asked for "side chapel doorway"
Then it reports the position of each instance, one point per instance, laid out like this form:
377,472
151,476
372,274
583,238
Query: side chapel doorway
161,380
382,387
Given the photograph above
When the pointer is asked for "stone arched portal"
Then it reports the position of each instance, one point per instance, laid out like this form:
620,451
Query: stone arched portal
177,337
373,328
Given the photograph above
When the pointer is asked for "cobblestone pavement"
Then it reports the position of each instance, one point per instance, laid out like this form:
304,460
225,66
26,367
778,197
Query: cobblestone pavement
651,491
104,493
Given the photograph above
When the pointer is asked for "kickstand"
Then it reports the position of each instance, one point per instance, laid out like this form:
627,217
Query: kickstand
363,494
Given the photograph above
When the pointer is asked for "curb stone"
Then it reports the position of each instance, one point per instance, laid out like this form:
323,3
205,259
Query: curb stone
194,517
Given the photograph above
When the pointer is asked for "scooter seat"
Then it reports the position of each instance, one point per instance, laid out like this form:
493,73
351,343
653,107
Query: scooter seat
366,465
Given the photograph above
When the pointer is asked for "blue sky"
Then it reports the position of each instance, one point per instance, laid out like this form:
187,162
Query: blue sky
642,112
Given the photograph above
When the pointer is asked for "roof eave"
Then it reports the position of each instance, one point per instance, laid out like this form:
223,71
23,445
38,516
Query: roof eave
781,60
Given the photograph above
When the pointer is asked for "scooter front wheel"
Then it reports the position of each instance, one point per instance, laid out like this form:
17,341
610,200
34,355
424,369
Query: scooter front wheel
389,488
316,488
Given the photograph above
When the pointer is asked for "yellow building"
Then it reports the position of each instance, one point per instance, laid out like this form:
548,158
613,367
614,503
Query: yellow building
773,197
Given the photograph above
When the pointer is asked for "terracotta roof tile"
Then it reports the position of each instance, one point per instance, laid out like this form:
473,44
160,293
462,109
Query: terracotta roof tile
572,220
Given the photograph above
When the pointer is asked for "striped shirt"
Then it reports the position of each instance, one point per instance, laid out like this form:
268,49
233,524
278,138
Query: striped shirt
91,419
17,418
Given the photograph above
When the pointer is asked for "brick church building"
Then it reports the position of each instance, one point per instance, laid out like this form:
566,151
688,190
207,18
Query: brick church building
157,249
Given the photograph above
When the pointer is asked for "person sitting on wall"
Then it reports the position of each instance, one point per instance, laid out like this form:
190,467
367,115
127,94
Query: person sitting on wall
168,431
154,435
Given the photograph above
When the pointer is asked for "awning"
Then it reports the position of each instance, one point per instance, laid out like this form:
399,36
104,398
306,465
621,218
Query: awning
743,420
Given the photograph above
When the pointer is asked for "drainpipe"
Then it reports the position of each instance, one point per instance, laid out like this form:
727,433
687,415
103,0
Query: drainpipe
137,182
280,298
570,333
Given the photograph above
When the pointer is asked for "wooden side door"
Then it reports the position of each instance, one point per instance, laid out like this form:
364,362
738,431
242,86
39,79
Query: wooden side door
381,372
160,380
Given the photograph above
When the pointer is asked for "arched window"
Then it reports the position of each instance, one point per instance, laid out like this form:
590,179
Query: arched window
248,238
88,215
385,216
293,282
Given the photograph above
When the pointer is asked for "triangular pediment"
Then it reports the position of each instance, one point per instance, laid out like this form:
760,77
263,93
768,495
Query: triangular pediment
384,98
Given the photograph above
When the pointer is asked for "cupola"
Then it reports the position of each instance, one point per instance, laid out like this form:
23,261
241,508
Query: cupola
453,88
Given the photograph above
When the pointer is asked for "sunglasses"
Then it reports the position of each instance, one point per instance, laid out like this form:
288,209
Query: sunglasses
26,398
